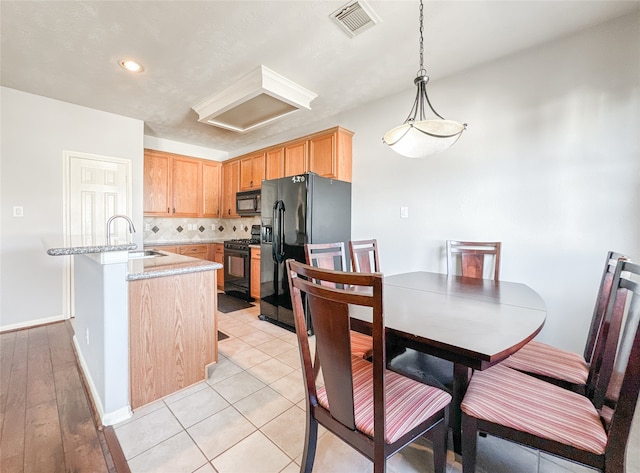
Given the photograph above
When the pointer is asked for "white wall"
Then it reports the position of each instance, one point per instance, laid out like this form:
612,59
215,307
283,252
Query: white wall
35,131
549,165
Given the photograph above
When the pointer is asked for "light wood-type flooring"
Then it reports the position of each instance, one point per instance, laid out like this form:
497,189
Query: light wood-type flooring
46,419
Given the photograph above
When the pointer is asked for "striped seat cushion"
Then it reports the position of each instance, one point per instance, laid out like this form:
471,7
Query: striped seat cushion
508,397
361,344
408,403
546,360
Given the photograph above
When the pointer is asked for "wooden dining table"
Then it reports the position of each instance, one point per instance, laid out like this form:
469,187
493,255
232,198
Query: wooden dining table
475,323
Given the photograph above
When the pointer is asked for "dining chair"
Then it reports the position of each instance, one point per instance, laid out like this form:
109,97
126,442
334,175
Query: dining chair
364,256
375,411
568,369
472,256
512,405
333,256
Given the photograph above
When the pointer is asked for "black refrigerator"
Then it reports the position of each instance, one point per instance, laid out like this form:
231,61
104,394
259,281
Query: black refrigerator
296,210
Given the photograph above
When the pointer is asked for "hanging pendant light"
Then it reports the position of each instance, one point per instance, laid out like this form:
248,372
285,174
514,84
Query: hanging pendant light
418,137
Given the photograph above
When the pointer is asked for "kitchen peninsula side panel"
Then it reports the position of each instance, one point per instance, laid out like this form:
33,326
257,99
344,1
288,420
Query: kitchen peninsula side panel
173,333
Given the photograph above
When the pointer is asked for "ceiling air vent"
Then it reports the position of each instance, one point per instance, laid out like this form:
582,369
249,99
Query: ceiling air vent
355,17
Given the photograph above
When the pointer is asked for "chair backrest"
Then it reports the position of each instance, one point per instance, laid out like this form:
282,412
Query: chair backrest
472,256
623,309
364,256
331,322
326,255
609,324
602,300
618,392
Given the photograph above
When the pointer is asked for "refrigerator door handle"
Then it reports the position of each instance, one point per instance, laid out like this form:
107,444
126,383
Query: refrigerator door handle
278,237
274,215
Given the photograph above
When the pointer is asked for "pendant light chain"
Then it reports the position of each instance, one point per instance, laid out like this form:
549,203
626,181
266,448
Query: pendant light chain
422,70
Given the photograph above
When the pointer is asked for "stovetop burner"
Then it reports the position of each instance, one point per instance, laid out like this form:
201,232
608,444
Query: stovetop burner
245,242
249,241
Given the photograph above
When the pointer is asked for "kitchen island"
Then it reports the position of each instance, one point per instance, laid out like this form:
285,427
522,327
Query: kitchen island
145,324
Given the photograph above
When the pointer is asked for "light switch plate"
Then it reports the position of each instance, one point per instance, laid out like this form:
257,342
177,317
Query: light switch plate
404,212
18,211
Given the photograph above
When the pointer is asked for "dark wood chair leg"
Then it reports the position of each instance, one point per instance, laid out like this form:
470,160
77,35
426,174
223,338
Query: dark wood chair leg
469,443
379,458
460,382
310,443
439,442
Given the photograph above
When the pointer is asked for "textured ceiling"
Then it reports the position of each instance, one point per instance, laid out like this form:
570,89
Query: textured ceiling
191,50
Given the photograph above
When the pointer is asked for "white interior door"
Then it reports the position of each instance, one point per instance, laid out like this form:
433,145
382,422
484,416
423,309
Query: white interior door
98,187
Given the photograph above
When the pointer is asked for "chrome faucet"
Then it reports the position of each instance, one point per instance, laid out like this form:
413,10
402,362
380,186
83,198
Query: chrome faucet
132,229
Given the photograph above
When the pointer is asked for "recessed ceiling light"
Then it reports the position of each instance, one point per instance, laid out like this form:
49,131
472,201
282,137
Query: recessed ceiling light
131,66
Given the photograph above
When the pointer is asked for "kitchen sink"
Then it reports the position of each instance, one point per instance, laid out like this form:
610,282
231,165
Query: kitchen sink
144,254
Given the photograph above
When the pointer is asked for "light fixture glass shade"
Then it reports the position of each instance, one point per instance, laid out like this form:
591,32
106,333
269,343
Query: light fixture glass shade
423,138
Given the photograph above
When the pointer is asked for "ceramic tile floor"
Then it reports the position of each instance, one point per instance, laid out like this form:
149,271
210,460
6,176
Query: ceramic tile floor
248,417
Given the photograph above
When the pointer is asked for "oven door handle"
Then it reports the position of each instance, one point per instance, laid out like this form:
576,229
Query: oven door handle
278,237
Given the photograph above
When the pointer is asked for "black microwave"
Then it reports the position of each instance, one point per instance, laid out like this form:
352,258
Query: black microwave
248,203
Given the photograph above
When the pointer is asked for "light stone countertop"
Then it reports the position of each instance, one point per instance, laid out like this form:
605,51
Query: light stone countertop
155,244
170,264
80,246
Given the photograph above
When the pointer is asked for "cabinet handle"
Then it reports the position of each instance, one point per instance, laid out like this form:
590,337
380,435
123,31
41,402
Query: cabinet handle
174,210
168,210
229,211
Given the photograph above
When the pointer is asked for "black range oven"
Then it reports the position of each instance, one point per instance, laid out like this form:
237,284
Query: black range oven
237,265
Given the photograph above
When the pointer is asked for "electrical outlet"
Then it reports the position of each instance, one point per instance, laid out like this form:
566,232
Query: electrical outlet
404,212
147,227
18,211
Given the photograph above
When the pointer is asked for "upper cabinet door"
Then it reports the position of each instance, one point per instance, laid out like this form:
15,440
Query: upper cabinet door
251,172
230,185
322,155
211,188
330,154
157,184
186,195
274,163
295,158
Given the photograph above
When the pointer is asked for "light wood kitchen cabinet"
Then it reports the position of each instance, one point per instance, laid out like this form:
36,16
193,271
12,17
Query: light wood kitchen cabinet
274,163
180,186
295,158
195,251
157,183
327,153
255,273
211,171
171,185
230,185
251,172
186,190
172,334
330,154
216,254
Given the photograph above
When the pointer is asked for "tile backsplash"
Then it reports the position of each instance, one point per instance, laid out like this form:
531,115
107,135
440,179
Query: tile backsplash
194,230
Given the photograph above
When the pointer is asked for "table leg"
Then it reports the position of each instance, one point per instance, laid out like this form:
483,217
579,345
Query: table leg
460,381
